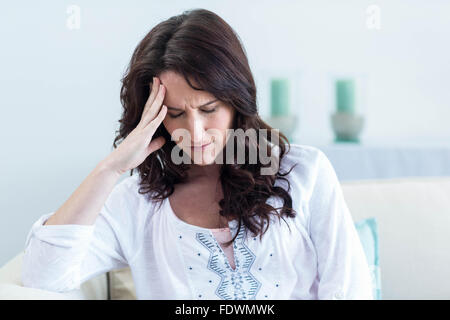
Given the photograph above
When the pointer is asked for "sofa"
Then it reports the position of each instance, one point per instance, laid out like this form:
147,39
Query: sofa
413,219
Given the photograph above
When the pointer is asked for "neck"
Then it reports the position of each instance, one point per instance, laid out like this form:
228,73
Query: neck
210,172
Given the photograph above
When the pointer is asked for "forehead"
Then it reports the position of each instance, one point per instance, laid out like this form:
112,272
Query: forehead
179,93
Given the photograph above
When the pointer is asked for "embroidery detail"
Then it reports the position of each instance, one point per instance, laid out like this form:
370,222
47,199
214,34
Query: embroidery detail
238,284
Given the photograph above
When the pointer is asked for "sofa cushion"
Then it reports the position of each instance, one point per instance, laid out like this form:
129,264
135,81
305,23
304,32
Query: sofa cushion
11,286
413,218
368,234
121,285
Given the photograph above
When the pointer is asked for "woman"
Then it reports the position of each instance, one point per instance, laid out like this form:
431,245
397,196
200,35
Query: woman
206,228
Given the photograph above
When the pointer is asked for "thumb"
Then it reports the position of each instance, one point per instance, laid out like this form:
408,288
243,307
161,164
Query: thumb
156,144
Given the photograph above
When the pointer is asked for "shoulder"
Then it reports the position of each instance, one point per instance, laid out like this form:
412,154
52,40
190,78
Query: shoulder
305,155
311,174
123,191
126,211
125,203
314,179
298,167
314,169
306,161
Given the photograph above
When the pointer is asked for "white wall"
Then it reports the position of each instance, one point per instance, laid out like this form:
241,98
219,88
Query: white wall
60,87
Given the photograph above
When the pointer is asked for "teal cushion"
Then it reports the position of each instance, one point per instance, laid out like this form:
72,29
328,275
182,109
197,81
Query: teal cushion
368,233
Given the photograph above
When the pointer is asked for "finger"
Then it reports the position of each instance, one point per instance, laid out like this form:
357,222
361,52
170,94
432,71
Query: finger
154,91
155,107
156,122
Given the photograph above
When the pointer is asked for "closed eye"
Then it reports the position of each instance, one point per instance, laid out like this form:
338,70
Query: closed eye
177,115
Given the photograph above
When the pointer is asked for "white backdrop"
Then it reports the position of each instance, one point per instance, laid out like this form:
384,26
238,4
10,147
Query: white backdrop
60,87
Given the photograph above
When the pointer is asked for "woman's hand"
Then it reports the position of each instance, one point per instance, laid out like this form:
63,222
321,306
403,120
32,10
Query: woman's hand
137,146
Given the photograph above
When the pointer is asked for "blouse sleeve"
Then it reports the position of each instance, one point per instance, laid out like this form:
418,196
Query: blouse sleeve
61,257
343,270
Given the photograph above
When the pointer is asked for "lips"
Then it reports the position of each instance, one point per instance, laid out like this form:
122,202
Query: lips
200,147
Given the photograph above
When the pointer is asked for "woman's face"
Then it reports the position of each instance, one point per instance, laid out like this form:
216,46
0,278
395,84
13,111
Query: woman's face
203,118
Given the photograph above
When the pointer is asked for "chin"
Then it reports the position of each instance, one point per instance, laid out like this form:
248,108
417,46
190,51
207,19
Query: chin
203,160
205,157
203,163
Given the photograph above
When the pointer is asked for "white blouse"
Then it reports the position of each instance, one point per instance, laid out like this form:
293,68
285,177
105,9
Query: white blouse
316,255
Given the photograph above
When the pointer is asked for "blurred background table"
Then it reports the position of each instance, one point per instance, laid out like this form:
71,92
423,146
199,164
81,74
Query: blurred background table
377,161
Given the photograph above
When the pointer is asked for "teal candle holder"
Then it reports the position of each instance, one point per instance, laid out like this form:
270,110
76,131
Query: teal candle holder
345,95
347,126
346,122
279,97
279,91
281,117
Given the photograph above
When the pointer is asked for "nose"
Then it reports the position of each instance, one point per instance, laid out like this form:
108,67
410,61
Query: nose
197,132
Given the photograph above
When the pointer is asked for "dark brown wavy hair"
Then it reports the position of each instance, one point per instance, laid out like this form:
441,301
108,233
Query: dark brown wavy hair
200,45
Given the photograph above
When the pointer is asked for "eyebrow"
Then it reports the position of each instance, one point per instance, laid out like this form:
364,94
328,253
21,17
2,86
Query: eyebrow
173,108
